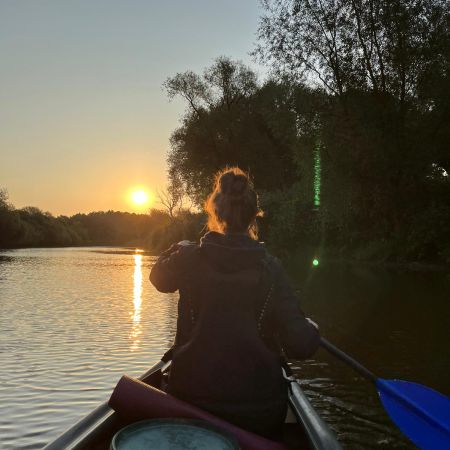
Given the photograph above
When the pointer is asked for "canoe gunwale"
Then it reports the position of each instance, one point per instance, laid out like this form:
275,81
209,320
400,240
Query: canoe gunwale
319,434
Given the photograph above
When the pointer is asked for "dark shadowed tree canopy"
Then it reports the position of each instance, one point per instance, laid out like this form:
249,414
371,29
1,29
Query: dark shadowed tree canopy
348,142
384,46
243,123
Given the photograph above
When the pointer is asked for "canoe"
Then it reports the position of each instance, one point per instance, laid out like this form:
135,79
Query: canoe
303,429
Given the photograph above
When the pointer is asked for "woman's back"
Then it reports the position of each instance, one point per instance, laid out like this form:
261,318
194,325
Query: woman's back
228,300
236,309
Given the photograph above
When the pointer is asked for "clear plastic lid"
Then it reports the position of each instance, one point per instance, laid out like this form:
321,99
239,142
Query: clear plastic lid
173,434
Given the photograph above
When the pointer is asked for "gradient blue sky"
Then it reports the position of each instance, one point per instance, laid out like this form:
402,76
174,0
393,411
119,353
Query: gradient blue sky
83,115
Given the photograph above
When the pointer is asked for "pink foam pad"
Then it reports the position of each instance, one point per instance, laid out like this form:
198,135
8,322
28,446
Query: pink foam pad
136,400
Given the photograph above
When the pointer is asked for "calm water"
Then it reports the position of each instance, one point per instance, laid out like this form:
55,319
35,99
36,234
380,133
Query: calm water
73,320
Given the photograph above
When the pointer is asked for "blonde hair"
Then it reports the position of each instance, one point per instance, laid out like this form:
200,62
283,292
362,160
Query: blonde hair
232,206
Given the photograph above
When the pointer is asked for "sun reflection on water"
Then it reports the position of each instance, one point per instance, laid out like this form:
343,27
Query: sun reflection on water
136,330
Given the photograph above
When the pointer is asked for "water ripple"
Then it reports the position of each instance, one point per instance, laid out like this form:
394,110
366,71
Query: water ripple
72,322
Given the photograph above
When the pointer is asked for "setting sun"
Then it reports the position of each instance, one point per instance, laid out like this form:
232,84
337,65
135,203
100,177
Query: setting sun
140,198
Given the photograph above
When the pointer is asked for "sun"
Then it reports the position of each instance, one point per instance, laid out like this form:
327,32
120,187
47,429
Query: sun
140,198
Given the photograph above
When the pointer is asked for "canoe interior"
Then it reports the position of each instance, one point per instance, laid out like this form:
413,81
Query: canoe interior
100,437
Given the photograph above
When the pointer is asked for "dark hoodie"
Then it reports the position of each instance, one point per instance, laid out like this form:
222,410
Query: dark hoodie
236,308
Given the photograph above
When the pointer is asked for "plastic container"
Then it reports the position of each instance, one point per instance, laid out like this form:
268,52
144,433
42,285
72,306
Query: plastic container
172,434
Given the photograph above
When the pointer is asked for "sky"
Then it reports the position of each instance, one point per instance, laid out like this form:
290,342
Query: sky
84,118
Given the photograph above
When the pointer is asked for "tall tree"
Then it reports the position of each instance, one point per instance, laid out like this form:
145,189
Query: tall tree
376,59
232,120
380,45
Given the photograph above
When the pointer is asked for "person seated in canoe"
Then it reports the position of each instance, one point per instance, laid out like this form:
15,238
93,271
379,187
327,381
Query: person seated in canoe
237,314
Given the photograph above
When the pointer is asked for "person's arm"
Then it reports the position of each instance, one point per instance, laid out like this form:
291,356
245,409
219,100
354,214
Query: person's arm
299,337
167,271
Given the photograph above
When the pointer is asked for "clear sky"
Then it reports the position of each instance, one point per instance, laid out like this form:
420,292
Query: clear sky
83,115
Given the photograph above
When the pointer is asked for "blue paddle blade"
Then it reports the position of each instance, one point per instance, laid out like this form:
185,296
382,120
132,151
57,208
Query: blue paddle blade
421,413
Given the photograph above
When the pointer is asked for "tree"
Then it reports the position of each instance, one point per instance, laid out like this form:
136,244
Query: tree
225,83
4,197
173,198
240,123
206,140
385,67
378,45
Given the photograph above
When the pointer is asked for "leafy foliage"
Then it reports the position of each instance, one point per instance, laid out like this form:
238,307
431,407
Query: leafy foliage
361,86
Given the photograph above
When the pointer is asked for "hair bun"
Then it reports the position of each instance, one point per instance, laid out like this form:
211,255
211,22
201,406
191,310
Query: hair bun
233,184
232,206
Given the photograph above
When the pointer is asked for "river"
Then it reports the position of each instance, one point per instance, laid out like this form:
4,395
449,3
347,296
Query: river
73,320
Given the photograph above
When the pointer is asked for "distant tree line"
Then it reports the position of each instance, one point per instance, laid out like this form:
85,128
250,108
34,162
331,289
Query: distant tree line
348,141
31,227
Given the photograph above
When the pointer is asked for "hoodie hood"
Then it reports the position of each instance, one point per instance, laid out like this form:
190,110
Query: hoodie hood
231,252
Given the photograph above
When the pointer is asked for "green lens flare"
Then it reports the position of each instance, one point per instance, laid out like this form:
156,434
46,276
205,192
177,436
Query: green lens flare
317,175
315,262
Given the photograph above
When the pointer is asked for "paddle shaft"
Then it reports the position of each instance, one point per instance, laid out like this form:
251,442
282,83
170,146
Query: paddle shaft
348,359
